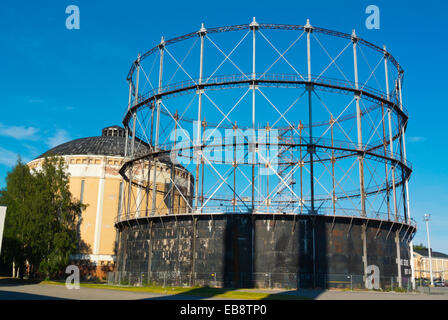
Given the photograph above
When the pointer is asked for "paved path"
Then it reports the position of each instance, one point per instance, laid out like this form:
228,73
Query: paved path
57,292
19,291
359,295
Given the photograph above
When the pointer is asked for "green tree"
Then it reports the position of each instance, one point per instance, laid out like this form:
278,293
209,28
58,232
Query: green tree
16,197
41,217
420,246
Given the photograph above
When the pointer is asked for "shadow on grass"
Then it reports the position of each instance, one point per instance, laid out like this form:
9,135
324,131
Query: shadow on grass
198,293
201,293
300,294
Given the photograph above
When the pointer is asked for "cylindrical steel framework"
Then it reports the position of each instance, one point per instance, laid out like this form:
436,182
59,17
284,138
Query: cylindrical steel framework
267,119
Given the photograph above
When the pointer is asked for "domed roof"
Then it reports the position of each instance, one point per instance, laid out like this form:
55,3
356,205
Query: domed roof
110,143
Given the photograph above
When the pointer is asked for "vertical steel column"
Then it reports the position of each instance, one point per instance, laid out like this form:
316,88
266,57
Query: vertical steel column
131,171
253,26
404,147
138,200
126,144
159,100
311,149
134,116
151,144
202,32
406,182
391,141
204,124
129,108
193,252
148,182
359,129
293,180
385,162
135,103
151,135
267,166
173,166
364,249
156,144
300,127
134,121
234,166
333,161
397,245
400,127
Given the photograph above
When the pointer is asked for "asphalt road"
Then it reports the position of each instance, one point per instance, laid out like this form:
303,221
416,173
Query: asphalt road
18,291
57,292
369,295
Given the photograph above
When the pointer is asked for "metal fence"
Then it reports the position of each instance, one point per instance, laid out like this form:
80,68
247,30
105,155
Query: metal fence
254,280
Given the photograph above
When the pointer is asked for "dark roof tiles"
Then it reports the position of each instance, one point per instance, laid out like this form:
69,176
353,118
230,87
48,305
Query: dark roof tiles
434,254
102,145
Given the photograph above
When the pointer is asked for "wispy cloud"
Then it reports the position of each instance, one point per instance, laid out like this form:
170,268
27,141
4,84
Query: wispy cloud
35,100
7,157
416,139
59,137
32,150
19,132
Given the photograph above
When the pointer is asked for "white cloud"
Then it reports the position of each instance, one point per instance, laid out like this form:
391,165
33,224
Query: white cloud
32,150
416,139
7,157
35,100
59,137
19,132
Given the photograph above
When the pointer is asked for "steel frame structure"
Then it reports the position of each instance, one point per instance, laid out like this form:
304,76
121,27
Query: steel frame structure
314,173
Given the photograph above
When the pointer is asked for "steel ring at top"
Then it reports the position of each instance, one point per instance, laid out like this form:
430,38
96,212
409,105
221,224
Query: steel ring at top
267,26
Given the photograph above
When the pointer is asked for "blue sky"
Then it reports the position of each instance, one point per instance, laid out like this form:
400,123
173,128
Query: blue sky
58,84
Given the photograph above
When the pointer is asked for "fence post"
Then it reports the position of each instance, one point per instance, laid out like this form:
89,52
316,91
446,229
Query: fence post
392,283
351,283
298,281
164,278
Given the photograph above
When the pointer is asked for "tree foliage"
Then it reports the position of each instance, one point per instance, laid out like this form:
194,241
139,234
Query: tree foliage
420,246
40,226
